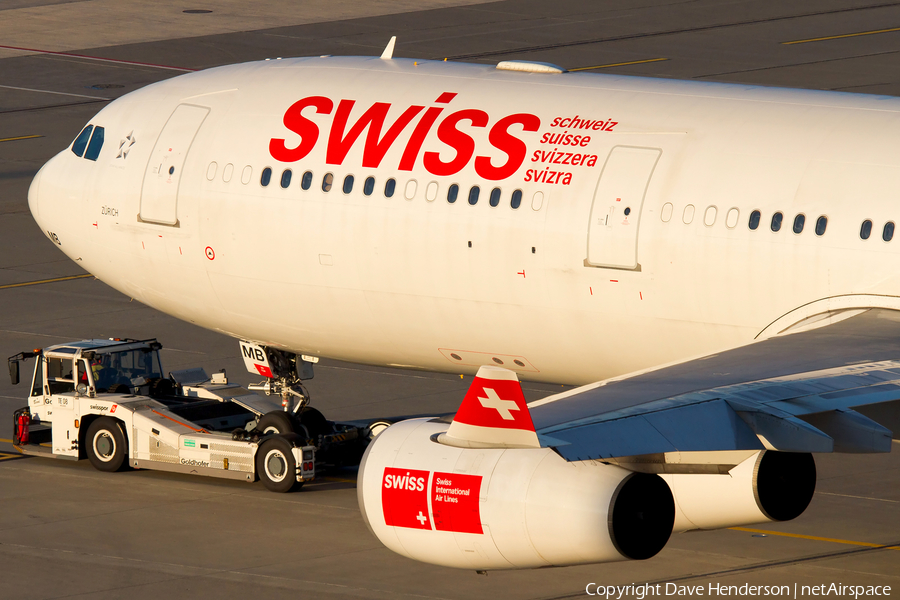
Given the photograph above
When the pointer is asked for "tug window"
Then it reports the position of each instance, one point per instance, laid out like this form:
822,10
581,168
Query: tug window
495,197
777,218
821,224
81,141
754,220
266,177
888,233
389,186
473,195
93,149
452,193
306,180
799,222
348,184
369,186
327,182
59,375
516,200
286,178
865,230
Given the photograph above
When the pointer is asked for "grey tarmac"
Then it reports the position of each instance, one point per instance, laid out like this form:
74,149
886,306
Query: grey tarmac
67,531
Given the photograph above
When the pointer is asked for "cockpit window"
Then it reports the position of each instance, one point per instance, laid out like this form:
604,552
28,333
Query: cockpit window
93,149
81,141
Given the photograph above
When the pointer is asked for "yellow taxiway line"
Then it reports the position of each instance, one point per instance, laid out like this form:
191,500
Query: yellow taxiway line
622,64
816,538
21,137
55,279
837,37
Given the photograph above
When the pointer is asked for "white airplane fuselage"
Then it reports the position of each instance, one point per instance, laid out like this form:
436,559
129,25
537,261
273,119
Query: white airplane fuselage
569,287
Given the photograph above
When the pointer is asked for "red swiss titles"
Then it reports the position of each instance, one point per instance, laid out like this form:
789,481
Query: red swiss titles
341,138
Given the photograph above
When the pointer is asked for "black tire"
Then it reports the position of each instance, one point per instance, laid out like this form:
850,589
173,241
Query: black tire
275,465
315,422
276,421
105,445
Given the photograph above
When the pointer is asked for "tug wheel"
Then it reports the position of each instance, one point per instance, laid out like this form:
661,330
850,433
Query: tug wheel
276,466
276,421
106,445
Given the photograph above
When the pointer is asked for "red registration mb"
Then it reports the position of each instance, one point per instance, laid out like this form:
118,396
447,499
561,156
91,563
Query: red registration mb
454,502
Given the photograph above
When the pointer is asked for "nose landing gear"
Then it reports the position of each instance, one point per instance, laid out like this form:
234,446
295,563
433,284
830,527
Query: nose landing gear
284,371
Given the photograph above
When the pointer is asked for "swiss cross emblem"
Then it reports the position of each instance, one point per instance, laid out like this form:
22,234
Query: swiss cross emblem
503,407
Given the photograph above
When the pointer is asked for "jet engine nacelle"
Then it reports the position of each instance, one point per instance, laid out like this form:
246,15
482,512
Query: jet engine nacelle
767,486
498,508
502,508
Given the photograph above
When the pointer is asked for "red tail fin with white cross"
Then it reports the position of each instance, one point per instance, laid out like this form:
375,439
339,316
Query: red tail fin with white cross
493,414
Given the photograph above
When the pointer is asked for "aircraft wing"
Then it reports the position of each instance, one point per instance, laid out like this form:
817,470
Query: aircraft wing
831,389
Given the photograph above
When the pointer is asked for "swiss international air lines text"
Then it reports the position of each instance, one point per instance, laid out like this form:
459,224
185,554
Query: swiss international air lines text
453,498
557,151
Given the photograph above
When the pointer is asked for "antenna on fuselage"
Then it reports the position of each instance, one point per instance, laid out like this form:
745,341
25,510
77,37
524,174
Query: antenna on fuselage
389,49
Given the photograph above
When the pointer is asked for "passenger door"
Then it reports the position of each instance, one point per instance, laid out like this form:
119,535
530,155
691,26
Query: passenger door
159,193
616,211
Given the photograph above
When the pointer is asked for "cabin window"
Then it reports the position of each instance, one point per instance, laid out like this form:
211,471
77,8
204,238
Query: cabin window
389,186
516,200
286,178
348,184
731,219
211,171
799,222
93,149
246,174
709,217
411,187
777,218
81,141
327,182
821,224
537,201
306,180
266,177
865,229
431,191
369,186
688,214
666,212
495,197
452,193
227,172
473,195
754,220
888,232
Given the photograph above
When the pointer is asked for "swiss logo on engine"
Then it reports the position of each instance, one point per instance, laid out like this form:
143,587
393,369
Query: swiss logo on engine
404,498
454,501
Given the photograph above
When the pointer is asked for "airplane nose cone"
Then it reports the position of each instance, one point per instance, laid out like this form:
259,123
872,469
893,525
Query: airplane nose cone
33,194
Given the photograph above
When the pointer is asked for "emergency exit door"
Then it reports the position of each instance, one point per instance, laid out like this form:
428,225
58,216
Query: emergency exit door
616,211
159,194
